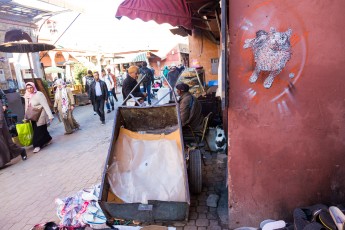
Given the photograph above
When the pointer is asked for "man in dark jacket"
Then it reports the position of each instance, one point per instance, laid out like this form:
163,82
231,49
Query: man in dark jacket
172,77
87,80
190,109
98,95
148,80
8,149
130,82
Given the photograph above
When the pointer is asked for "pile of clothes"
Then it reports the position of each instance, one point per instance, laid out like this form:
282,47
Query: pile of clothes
78,211
81,209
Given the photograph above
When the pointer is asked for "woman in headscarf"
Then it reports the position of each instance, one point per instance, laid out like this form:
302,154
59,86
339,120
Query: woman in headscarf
64,104
8,150
37,99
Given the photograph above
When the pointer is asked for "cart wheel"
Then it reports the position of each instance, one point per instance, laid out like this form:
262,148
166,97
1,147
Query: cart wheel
195,173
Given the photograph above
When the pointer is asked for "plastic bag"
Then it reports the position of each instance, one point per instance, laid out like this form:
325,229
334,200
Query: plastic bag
25,133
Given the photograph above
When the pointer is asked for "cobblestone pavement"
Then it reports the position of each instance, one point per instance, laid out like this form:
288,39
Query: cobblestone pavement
69,164
202,217
76,161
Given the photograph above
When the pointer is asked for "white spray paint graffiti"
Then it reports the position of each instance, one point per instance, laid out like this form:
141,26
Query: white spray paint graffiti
271,52
250,93
247,25
283,108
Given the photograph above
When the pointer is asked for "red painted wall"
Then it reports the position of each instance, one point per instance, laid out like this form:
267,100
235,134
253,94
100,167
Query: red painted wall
286,143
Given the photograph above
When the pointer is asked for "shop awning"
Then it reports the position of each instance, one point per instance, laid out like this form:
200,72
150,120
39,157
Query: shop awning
176,12
140,57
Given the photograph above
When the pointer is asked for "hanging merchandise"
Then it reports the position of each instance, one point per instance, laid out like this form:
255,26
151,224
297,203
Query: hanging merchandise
195,79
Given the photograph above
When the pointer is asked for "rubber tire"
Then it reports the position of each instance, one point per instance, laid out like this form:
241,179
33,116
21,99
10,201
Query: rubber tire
195,171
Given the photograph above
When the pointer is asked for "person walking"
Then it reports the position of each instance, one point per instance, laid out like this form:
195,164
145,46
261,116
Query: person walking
36,99
87,80
8,149
110,86
165,71
115,83
148,80
172,77
64,104
98,95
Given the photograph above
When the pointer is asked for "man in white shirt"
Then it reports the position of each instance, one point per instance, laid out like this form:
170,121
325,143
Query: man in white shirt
110,86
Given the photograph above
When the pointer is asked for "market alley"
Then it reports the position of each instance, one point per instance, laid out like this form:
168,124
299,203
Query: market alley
69,164
74,162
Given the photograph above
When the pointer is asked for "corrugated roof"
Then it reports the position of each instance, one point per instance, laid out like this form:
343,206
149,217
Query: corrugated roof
128,58
140,57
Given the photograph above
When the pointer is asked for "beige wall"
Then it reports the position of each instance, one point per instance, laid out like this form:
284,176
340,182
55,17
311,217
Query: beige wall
202,49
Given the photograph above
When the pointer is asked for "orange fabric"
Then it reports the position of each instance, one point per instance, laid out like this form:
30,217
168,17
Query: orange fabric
172,136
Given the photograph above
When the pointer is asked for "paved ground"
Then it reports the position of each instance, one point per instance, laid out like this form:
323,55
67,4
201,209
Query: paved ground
76,161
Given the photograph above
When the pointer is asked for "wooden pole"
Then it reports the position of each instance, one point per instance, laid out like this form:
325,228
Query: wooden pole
40,86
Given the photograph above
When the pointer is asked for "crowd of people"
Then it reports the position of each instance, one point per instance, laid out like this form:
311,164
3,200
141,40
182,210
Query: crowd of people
101,91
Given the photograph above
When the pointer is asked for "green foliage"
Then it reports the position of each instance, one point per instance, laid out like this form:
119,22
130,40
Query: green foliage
45,84
79,71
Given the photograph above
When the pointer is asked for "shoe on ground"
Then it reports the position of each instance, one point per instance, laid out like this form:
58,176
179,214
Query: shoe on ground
314,226
36,150
103,123
94,113
300,219
314,211
274,225
108,111
23,154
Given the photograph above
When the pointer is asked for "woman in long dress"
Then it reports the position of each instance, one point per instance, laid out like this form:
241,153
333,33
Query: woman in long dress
38,100
8,149
64,103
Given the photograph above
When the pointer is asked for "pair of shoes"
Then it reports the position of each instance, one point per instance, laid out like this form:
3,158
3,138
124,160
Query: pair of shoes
103,123
108,111
36,150
23,154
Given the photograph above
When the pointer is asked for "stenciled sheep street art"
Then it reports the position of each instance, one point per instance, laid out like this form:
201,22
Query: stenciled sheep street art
271,52
273,44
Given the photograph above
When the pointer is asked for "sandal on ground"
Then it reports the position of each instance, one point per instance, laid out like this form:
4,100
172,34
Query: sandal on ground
36,150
